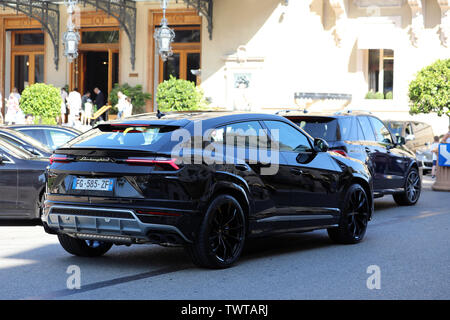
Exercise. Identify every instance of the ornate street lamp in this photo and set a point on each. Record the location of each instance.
(71, 38)
(164, 36)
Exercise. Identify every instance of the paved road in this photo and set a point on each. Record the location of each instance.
(411, 247)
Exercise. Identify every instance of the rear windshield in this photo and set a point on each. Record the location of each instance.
(324, 128)
(122, 136)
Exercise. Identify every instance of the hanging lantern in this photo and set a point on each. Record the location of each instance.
(164, 36)
(71, 38)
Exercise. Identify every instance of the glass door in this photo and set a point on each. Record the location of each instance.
(182, 65)
(27, 69)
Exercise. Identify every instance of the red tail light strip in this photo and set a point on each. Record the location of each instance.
(144, 161)
(59, 158)
(341, 152)
(155, 213)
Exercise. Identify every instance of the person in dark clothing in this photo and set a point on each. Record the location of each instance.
(100, 102)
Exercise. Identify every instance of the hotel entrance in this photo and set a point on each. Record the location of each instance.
(97, 64)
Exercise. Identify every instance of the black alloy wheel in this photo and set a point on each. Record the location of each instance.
(354, 218)
(412, 191)
(222, 234)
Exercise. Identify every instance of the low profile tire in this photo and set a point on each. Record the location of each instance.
(413, 187)
(354, 217)
(83, 248)
(222, 235)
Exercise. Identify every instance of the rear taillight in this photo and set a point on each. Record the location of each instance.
(158, 213)
(341, 152)
(164, 163)
(60, 158)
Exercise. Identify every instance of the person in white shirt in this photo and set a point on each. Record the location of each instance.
(74, 104)
(128, 108)
(121, 104)
(434, 150)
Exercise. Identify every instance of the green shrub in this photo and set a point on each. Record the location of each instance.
(390, 95)
(42, 101)
(430, 91)
(179, 95)
(138, 97)
(379, 95)
(370, 95)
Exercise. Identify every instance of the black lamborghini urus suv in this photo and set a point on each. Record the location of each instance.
(206, 181)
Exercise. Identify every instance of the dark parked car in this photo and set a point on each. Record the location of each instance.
(364, 137)
(51, 136)
(119, 183)
(22, 182)
(26, 142)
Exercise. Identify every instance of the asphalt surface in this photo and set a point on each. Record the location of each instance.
(409, 245)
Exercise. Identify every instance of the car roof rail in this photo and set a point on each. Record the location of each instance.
(353, 111)
(290, 110)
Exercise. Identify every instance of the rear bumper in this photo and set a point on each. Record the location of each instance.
(117, 225)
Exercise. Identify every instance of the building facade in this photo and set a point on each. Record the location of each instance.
(256, 55)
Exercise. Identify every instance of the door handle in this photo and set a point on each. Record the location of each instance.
(296, 171)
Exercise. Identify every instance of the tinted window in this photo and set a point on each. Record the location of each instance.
(367, 129)
(350, 129)
(37, 134)
(287, 137)
(324, 128)
(110, 136)
(242, 134)
(381, 132)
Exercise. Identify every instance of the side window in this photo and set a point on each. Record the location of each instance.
(57, 138)
(367, 129)
(408, 130)
(287, 137)
(242, 134)
(350, 129)
(382, 133)
(36, 134)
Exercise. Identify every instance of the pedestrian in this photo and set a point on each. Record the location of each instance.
(446, 138)
(12, 108)
(121, 105)
(88, 111)
(74, 105)
(16, 93)
(64, 96)
(84, 99)
(100, 102)
(128, 108)
(434, 151)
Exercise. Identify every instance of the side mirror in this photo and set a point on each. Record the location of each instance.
(320, 145)
(401, 141)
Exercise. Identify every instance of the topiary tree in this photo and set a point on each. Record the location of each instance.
(43, 101)
(179, 95)
(137, 95)
(430, 91)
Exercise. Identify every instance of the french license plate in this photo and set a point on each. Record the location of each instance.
(93, 184)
